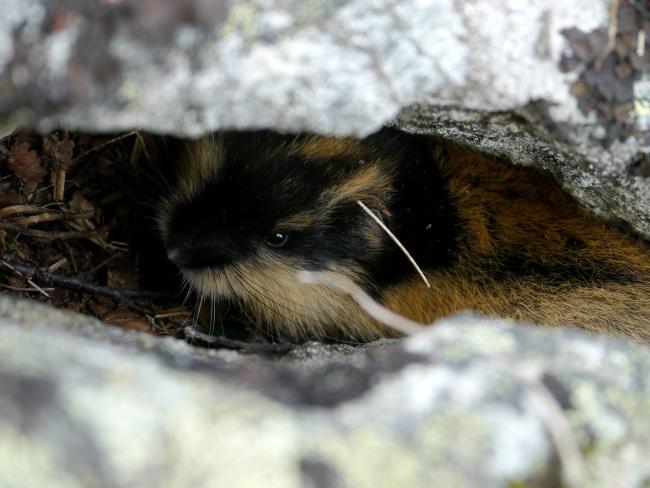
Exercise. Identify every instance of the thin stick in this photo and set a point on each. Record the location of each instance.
(135, 152)
(562, 436)
(58, 181)
(125, 295)
(37, 212)
(611, 34)
(29, 280)
(49, 217)
(392, 236)
(17, 288)
(26, 209)
(46, 234)
(39, 289)
(102, 146)
(373, 308)
(53, 267)
(640, 43)
(144, 146)
(170, 315)
(103, 263)
(246, 347)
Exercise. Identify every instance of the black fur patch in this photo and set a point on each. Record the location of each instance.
(258, 186)
(423, 215)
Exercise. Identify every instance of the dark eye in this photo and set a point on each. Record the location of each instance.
(277, 238)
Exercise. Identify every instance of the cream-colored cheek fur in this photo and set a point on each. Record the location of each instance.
(271, 292)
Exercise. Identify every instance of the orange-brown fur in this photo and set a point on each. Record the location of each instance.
(533, 215)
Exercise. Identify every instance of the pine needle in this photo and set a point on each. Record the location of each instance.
(396, 240)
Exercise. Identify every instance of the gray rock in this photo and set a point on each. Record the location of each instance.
(192, 66)
(346, 67)
(469, 402)
(604, 186)
(341, 67)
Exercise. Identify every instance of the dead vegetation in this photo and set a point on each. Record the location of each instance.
(69, 218)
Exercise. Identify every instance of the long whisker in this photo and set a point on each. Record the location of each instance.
(267, 301)
(212, 315)
(187, 288)
(232, 291)
(259, 298)
(272, 297)
(197, 311)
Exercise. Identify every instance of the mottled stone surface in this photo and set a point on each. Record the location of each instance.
(470, 402)
(606, 185)
(344, 67)
(192, 66)
(348, 66)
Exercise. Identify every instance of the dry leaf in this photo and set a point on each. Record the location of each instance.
(25, 163)
(79, 204)
(15, 282)
(61, 150)
(122, 274)
(98, 309)
(128, 319)
(59, 297)
(8, 196)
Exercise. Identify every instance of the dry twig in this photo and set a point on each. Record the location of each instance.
(554, 419)
(24, 209)
(611, 34)
(373, 308)
(125, 295)
(248, 347)
(44, 234)
(395, 240)
(102, 146)
(58, 181)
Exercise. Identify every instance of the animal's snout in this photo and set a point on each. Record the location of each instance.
(198, 256)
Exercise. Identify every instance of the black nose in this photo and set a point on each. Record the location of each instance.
(198, 257)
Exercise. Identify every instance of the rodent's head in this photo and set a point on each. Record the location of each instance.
(250, 210)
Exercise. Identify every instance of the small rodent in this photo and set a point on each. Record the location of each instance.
(248, 210)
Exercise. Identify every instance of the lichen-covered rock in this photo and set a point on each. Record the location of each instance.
(469, 402)
(578, 71)
(192, 66)
(341, 67)
(604, 183)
